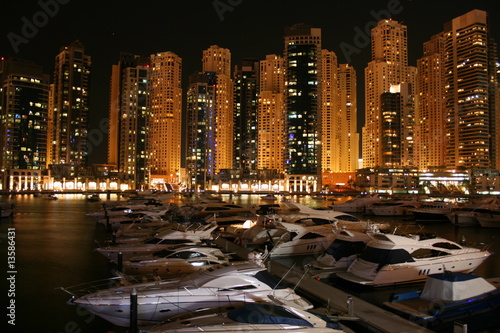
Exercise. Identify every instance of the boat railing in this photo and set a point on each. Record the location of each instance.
(121, 280)
(94, 286)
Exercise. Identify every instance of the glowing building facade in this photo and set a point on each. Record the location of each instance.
(129, 119)
(70, 107)
(471, 87)
(271, 115)
(166, 119)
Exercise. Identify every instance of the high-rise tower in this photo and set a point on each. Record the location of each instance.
(389, 67)
(471, 83)
(129, 119)
(430, 116)
(246, 89)
(210, 119)
(271, 115)
(166, 119)
(24, 90)
(302, 60)
(68, 137)
(218, 60)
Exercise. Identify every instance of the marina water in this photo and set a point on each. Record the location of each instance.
(54, 247)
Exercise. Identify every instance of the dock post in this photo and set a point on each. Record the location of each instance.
(120, 261)
(133, 311)
(350, 305)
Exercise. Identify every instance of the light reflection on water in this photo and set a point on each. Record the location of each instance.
(55, 245)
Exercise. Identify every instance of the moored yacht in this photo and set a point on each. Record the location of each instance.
(450, 297)
(489, 218)
(343, 251)
(253, 318)
(392, 259)
(175, 261)
(433, 211)
(302, 240)
(357, 205)
(166, 239)
(221, 287)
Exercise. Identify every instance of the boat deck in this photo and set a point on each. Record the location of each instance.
(376, 318)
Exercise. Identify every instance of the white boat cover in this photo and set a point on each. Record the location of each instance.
(449, 287)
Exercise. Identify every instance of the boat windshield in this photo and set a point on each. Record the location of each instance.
(255, 313)
(341, 248)
(386, 257)
(271, 280)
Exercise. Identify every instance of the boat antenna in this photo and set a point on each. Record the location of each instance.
(283, 277)
(300, 280)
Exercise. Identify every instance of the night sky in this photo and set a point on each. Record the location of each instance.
(249, 28)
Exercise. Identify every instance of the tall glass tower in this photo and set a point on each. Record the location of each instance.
(302, 59)
(69, 115)
(471, 85)
(24, 90)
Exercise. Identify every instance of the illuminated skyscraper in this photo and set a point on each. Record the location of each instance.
(166, 119)
(471, 83)
(129, 119)
(271, 115)
(339, 139)
(218, 60)
(24, 90)
(430, 117)
(210, 119)
(246, 89)
(389, 66)
(68, 137)
(200, 130)
(331, 130)
(348, 150)
(302, 60)
(397, 126)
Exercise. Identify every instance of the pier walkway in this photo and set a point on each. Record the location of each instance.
(376, 318)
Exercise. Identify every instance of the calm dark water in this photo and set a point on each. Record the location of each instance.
(54, 248)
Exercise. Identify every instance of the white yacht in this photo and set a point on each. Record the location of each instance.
(343, 251)
(489, 218)
(161, 241)
(466, 216)
(357, 205)
(433, 211)
(308, 215)
(392, 259)
(221, 287)
(253, 318)
(393, 207)
(302, 240)
(175, 261)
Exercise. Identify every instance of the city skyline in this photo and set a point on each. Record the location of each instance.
(187, 30)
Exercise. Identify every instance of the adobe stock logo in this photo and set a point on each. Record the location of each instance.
(29, 29)
(225, 6)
